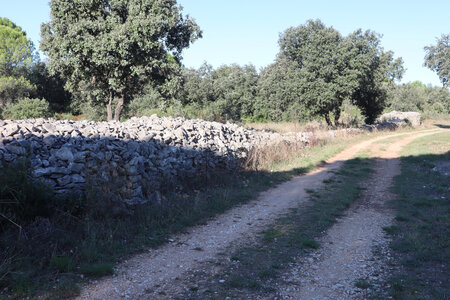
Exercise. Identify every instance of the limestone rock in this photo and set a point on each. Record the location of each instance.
(411, 118)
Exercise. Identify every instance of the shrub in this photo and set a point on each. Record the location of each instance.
(27, 108)
(431, 101)
(22, 198)
(13, 88)
(146, 104)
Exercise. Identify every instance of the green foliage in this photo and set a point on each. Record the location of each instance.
(227, 92)
(320, 57)
(14, 88)
(22, 198)
(113, 48)
(198, 85)
(97, 270)
(327, 68)
(16, 51)
(428, 100)
(27, 108)
(375, 71)
(17, 57)
(62, 264)
(146, 103)
(279, 90)
(437, 58)
(235, 91)
(50, 87)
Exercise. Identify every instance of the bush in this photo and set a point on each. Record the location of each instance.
(27, 108)
(13, 88)
(22, 198)
(431, 101)
(146, 104)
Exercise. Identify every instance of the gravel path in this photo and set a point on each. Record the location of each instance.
(147, 275)
(347, 254)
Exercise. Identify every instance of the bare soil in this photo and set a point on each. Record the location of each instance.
(346, 256)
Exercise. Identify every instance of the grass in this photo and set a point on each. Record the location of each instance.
(97, 270)
(63, 264)
(253, 268)
(362, 284)
(285, 127)
(421, 233)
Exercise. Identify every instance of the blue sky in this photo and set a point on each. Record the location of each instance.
(247, 31)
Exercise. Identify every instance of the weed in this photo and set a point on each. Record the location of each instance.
(97, 270)
(62, 264)
(267, 272)
(65, 289)
(193, 288)
(309, 243)
(235, 258)
(362, 284)
(391, 229)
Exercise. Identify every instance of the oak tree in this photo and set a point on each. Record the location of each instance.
(437, 58)
(112, 48)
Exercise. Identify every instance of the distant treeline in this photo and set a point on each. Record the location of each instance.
(317, 74)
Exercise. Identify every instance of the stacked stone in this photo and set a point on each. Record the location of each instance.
(130, 160)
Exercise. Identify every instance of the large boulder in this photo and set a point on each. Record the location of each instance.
(410, 118)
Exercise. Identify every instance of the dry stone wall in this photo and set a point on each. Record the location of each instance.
(131, 161)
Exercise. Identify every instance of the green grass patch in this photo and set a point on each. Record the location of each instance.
(421, 239)
(362, 284)
(63, 264)
(97, 270)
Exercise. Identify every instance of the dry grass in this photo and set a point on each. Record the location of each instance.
(262, 158)
(287, 152)
(434, 122)
(285, 127)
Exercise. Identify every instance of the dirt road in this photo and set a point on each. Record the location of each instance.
(347, 258)
(146, 275)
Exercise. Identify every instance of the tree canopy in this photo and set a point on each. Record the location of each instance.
(437, 58)
(375, 70)
(321, 60)
(112, 48)
(16, 51)
(16, 59)
(331, 68)
(279, 90)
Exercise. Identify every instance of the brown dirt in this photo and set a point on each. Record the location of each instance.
(151, 274)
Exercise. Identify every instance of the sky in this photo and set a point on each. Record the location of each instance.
(247, 31)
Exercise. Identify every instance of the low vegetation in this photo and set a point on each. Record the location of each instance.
(420, 235)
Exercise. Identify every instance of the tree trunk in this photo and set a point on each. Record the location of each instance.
(327, 118)
(109, 107)
(119, 107)
(337, 115)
